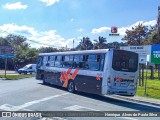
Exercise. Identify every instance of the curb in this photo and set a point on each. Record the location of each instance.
(2, 78)
(22, 78)
(15, 79)
(135, 100)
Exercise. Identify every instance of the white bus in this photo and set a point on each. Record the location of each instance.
(105, 71)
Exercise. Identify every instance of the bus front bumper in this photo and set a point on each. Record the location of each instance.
(127, 92)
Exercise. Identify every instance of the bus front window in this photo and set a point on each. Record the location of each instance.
(125, 61)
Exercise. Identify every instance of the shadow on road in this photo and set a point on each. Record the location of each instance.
(114, 101)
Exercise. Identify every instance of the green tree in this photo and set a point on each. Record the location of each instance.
(153, 36)
(85, 44)
(23, 54)
(136, 35)
(47, 50)
(4, 42)
(100, 43)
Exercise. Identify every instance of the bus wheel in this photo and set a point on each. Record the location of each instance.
(71, 86)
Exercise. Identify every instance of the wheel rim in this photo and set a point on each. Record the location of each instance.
(71, 87)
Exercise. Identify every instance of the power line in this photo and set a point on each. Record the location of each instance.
(26, 38)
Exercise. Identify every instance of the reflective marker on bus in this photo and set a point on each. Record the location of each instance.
(105, 71)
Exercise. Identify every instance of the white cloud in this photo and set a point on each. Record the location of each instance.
(150, 23)
(80, 30)
(47, 38)
(71, 19)
(15, 29)
(122, 30)
(49, 2)
(100, 30)
(50, 38)
(17, 5)
(69, 42)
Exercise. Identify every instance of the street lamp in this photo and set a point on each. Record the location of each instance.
(73, 43)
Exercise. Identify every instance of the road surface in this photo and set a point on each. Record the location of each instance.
(31, 95)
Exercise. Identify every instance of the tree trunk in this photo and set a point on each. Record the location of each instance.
(142, 74)
(139, 74)
(159, 71)
(152, 73)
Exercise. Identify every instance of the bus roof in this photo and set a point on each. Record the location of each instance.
(76, 52)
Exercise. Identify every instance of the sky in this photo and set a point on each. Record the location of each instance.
(57, 23)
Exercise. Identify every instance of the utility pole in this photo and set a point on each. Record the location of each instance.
(5, 65)
(73, 44)
(145, 91)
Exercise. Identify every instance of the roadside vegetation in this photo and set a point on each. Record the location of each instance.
(14, 77)
(152, 87)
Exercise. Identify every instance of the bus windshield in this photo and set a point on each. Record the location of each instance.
(125, 61)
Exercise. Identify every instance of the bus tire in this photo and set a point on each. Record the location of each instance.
(71, 86)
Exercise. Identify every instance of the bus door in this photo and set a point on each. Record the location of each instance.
(46, 64)
(51, 70)
(39, 70)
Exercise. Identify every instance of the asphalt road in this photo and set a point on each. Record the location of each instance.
(30, 95)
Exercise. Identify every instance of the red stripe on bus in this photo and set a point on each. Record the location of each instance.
(75, 74)
(69, 70)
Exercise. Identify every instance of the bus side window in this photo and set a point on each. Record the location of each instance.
(71, 60)
(92, 62)
(58, 60)
(76, 61)
(39, 61)
(45, 60)
(51, 61)
(66, 60)
(48, 62)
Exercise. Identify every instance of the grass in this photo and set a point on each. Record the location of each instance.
(152, 87)
(14, 77)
